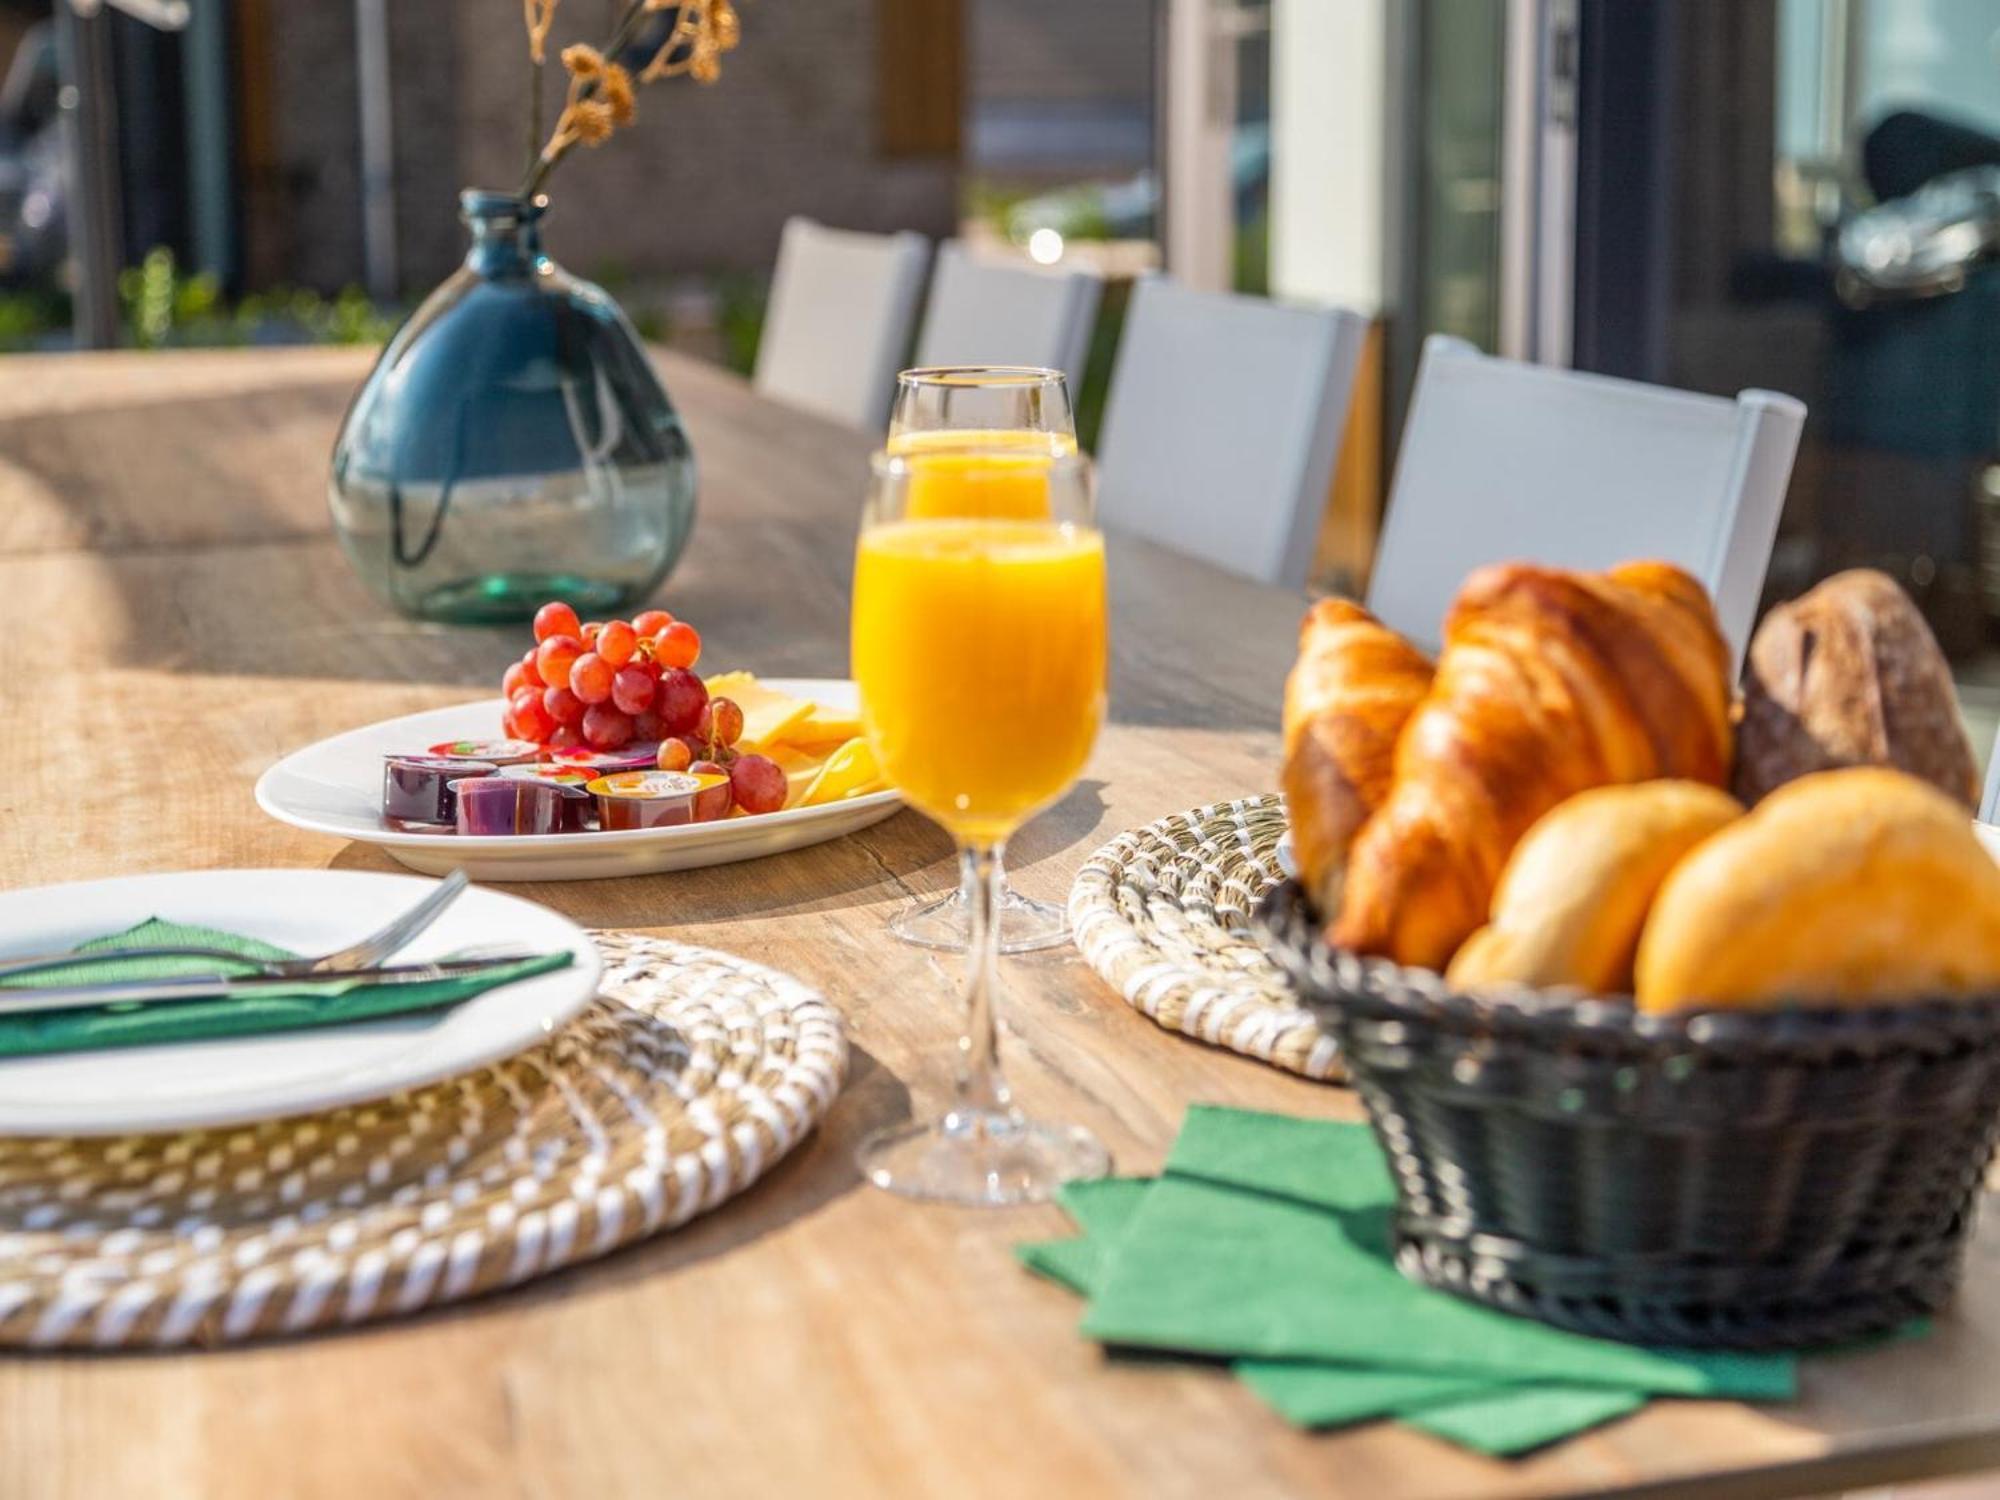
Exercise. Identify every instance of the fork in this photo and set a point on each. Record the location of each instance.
(366, 953)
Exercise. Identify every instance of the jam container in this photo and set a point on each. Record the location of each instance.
(640, 756)
(569, 776)
(503, 806)
(420, 788)
(655, 799)
(493, 752)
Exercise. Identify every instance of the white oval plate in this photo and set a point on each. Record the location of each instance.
(335, 787)
(121, 1090)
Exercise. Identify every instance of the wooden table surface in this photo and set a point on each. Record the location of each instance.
(176, 617)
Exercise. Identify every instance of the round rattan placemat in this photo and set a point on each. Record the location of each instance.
(1163, 914)
(688, 1078)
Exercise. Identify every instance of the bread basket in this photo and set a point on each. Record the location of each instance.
(1746, 1179)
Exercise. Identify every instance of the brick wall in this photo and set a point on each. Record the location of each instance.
(704, 181)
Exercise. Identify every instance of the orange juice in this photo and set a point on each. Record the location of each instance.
(979, 648)
(997, 474)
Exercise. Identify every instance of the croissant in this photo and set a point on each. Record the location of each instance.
(1353, 688)
(1550, 683)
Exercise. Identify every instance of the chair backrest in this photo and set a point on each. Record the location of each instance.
(983, 313)
(1223, 425)
(1502, 460)
(839, 320)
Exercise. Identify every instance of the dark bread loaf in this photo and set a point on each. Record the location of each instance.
(1849, 674)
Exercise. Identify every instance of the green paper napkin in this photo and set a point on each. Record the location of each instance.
(1207, 1266)
(313, 1002)
(1335, 1173)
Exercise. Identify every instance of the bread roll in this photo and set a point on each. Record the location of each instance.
(1850, 675)
(1574, 896)
(1354, 686)
(1844, 886)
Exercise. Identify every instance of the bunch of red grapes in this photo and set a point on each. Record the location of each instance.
(608, 684)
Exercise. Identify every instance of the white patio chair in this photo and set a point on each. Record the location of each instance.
(1502, 460)
(839, 320)
(1223, 424)
(984, 313)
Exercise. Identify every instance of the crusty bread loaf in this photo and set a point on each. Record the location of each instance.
(1855, 885)
(1349, 694)
(1574, 896)
(1850, 675)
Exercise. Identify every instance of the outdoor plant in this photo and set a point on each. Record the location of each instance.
(601, 82)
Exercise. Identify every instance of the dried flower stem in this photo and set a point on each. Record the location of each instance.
(600, 90)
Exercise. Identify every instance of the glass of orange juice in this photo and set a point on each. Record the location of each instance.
(952, 412)
(979, 648)
(1013, 406)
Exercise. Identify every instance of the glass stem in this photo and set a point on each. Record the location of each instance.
(981, 1089)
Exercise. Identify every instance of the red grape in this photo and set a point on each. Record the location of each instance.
(516, 679)
(592, 629)
(711, 802)
(757, 784)
(646, 726)
(604, 728)
(650, 622)
(507, 725)
(563, 705)
(675, 755)
(616, 642)
(679, 645)
(534, 672)
(721, 723)
(632, 690)
(590, 678)
(532, 719)
(681, 699)
(555, 618)
(565, 738)
(554, 657)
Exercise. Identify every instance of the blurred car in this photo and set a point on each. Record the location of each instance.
(34, 185)
(1130, 209)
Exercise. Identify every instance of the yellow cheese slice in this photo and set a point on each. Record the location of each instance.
(826, 726)
(768, 717)
(850, 771)
(800, 768)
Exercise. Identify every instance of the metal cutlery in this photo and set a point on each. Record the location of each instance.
(367, 953)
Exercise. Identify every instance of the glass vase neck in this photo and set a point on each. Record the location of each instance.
(506, 232)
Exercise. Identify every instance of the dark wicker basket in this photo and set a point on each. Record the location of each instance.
(1767, 1179)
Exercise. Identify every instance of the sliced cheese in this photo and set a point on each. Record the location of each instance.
(849, 772)
(768, 716)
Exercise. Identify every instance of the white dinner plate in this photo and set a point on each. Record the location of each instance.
(335, 787)
(232, 1080)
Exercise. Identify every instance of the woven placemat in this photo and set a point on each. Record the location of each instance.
(691, 1074)
(1163, 914)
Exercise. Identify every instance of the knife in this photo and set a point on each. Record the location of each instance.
(24, 1000)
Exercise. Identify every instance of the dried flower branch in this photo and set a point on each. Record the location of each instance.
(540, 16)
(601, 97)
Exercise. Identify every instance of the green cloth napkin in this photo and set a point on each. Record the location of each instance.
(1252, 1202)
(312, 1002)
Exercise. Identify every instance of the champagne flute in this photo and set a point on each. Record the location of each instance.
(1021, 409)
(979, 647)
(1004, 406)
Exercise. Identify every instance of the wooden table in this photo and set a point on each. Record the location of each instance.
(176, 617)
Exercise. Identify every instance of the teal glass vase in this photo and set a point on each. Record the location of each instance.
(513, 444)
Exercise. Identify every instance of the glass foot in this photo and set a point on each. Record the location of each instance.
(1026, 925)
(981, 1160)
